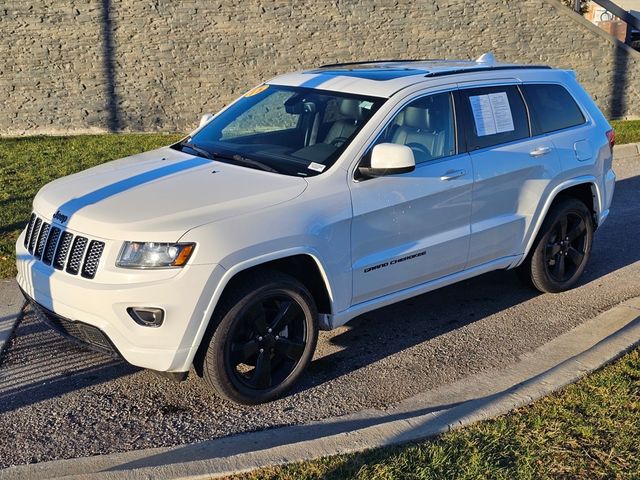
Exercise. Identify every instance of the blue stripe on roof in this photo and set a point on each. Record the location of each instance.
(378, 74)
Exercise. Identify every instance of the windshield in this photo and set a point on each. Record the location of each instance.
(290, 130)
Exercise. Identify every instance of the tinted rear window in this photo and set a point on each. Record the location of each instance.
(551, 107)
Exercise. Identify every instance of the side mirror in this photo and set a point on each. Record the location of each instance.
(205, 119)
(389, 159)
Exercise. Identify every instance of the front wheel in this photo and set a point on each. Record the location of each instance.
(562, 248)
(265, 335)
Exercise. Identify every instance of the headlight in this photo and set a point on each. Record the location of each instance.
(154, 255)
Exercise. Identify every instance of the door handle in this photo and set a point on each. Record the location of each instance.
(540, 151)
(451, 174)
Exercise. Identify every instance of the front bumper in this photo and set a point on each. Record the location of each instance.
(79, 332)
(94, 311)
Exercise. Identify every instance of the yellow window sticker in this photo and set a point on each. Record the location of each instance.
(256, 90)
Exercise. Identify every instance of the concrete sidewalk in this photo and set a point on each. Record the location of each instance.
(486, 395)
(11, 305)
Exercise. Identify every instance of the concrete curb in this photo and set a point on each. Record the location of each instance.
(11, 306)
(541, 372)
(626, 150)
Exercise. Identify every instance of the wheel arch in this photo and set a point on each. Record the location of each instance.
(296, 263)
(583, 188)
(304, 267)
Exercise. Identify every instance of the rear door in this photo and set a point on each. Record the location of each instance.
(555, 112)
(511, 169)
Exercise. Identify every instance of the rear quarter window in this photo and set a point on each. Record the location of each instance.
(551, 107)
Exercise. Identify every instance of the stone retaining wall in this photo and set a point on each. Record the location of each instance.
(72, 66)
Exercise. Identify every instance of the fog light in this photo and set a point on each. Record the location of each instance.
(147, 316)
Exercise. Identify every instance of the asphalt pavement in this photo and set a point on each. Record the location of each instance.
(58, 400)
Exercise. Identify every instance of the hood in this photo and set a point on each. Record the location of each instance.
(159, 195)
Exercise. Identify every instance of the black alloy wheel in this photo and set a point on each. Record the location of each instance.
(267, 341)
(562, 248)
(567, 246)
(262, 337)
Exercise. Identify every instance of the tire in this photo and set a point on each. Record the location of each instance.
(263, 336)
(562, 248)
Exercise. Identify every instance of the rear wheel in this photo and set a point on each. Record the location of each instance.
(562, 248)
(265, 336)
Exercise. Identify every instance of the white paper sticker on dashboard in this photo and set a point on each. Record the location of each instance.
(492, 113)
(316, 167)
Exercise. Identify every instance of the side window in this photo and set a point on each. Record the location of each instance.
(269, 115)
(494, 115)
(552, 108)
(426, 126)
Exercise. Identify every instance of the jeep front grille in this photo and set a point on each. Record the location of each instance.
(77, 252)
(42, 239)
(27, 236)
(60, 249)
(94, 252)
(52, 242)
(63, 249)
(34, 234)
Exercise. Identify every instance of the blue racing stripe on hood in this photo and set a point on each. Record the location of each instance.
(74, 205)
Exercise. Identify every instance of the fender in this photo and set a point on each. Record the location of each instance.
(244, 265)
(584, 179)
(268, 257)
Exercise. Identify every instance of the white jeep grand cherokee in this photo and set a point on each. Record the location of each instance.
(313, 198)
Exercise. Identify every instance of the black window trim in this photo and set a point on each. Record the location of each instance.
(527, 109)
(585, 115)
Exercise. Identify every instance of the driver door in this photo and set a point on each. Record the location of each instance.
(411, 228)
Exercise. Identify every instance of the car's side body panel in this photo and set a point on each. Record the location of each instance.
(410, 229)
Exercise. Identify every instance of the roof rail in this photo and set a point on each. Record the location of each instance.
(443, 73)
(396, 60)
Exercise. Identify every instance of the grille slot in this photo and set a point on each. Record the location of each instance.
(75, 257)
(34, 234)
(27, 235)
(52, 242)
(94, 252)
(42, 239)
(63, 250)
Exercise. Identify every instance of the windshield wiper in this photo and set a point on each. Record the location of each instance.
(198, 149)
(249, 162)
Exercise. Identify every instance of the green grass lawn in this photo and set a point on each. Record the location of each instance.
(590, 430)
(627, 131)
(28, 163)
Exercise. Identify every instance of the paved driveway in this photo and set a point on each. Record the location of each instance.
(60, 401)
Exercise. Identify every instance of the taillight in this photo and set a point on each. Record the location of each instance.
(611, 136)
